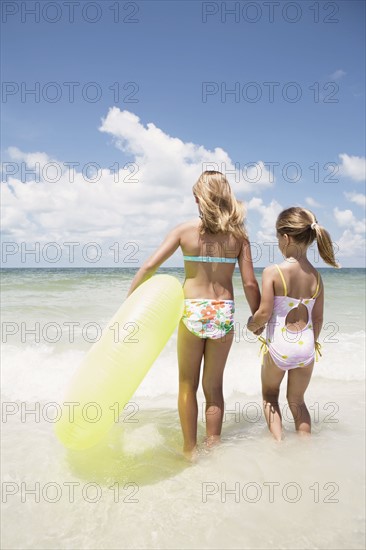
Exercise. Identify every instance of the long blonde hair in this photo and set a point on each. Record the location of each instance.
(220, 211)
(302, 226)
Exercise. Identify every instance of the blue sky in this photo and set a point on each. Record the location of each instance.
(166, 60)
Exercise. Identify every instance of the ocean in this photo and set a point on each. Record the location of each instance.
(135, 490)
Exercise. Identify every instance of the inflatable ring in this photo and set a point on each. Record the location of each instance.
(114, 367)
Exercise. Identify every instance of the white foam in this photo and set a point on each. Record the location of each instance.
(42, 372)
(36, 372)
(138, 440)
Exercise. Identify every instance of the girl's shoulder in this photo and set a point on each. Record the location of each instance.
(193, 222)
(305, 277)
(187, 225)
(289, 268)
(270, 270)
(270, 275)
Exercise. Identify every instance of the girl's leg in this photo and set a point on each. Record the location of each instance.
(216, 353)
(271, 379)
(190, 352)
(298, 381)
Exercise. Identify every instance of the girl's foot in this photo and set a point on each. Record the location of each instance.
(191, 455)
(212, 441)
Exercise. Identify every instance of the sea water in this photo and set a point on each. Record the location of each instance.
(134, 489)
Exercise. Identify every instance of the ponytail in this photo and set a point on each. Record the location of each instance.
(325, 245)
(302, 226)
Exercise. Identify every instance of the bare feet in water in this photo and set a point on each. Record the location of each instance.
(191, 455)
(209, 442)
(212, 441)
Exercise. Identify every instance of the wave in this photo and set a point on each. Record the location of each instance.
(42, 371)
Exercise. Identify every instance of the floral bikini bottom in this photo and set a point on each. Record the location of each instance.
(209, 318)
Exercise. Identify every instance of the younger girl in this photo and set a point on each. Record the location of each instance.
(292, 305)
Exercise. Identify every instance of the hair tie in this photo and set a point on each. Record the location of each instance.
(313, 225)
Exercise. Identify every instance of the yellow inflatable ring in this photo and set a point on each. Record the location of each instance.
(114, 367)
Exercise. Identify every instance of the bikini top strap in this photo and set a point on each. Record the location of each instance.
(317, 287)
(283, 280)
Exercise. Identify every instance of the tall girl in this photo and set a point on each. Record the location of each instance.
(211, 245)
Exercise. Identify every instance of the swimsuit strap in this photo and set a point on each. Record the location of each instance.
(283, 280)
(318, 347)
(317, 287)
(210, 259)
(264, 347)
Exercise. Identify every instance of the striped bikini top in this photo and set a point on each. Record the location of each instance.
(209, 259)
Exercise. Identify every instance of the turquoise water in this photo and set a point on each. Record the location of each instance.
(50, 318)
(75, 292)
(85, 296)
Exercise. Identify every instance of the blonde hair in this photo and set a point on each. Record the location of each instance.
(220, 211)
(301, 224)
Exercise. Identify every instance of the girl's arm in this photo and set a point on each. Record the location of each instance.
(317, 313)
(250, 284)
(165, 250)
(264, 312)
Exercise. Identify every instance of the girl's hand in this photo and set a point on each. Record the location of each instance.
(253, 327)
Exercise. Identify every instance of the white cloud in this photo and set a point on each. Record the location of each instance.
(312, 202)
(346, 218)
(357, 198)
(338, 74)
(71, 208)
(268, 217)
(343, 217)
(351, 244)
(353, 167)
(30, 159)
(163, 158)
(352, 241)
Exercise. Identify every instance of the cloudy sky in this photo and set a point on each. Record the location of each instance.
(111, 110)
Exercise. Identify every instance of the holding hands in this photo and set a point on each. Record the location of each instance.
(253, 326)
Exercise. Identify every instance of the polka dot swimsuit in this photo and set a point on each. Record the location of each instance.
(290, 349)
